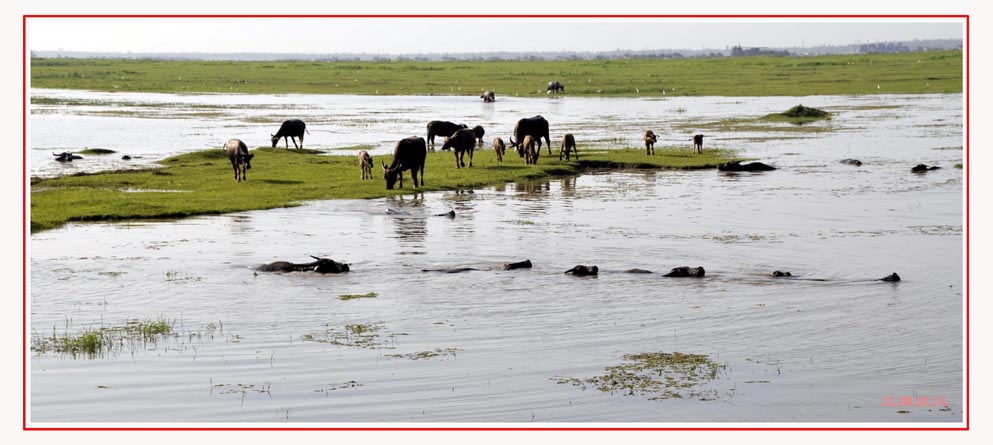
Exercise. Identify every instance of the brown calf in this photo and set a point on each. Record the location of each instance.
(568, 146)
(365, 163)
(650, 140)
(500, 148)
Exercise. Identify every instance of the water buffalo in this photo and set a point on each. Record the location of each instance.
(321, 265)
(488, 96)
(442, 128)
(452, 270)
(581, 270)
(686, 271)
(241, 160)
(462, 141)
(555, 87)
(365, 163)
(698, 143)
(636, 270)
(409, 154)
(921, 168)
(125, 158)
(737, 166)
(478, 131)
(568, 146)
(780, 274)
(291, 129)
(891, 277)
(854, 162)
(526, 264)
(66, 156)
(650, 140)
(500, 148)
(536, 127)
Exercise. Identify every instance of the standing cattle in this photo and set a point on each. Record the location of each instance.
(536, 127)
(241, 160)
(365, 163)
(488, 96)
(568, 146)
(409, 154)
(650, 140)
(291, 129)
(530, 155)
(555, 87)
(500, 148)
(462, 141)
(442, 128)
(478, 131)
(698, 143)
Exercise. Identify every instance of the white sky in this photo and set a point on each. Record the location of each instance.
(406, 35)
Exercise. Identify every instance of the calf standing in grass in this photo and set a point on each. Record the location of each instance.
(568, 146)
(530, 155)
(365, 163)
(698, 143)
(500, 148)
(241, 160)
(650, 140)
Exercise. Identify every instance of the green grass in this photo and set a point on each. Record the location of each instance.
(922, 72)
(347, 297)
(95, 151)
(283, 178)
(98, 342)
(798, 115)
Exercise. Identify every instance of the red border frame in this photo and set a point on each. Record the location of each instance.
(25, 218)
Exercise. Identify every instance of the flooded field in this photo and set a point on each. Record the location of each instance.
(388, 342)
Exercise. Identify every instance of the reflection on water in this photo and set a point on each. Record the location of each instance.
(492, 345)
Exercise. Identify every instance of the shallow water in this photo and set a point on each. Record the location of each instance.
(794, 350)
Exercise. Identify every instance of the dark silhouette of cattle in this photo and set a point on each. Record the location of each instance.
(581, 270)
(526, 264)
(854, 162)
(409, 154)
(536, 127)
(126, 158)
(291, 129)
(737, 166)
(568, 146)
(488, 96)
(781, 274)
(921, 168)
(241, 160)
(500, 148)
(66, 156)
(365, 163)
(555, 87)
(321, 265)
(686, 271)
(891, 277)
(650, 140)
(461, 142)
(443, 129)
(698, 144)
(478, 131)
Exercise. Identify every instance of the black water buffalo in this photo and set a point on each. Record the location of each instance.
(698, 143)
(442, 128)
(921, 168)
(854, 162)
(636, 270)
(452, 270)
(462, 141)
(650, 140)
(291, 129)
(409, 154)
(737, 166)
(686, 271)
(488, 96)
(555, 87)
(365, 163)
(781, 274)
(66, 156)
(536, 127)
(241, 160)
(321, 265)
(526, 264)
(568, 146)
(478, 131)
(500, 148)
(581, 270)
(891, 277)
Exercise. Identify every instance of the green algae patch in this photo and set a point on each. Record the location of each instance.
(655, 375)
(359, 335)
(347, 297)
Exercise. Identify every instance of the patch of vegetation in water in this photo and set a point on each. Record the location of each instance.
(95, 151)
(347, 297)
(360, 335)
(336, 386)
(438, 352)
(958, 166)
(91, 343)
(798, 115)
(656, 375)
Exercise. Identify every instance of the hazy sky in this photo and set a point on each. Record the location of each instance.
(335, 35)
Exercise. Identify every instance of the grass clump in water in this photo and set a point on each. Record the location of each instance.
(362, 336)
(96, 151)
(798, 115)
(438, 352)
(347, 297)
(658, 375)
(99, 342)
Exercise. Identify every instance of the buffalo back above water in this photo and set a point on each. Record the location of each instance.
(442, 128)
(409, 154)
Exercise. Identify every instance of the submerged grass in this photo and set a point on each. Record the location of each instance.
(284, 178)
(798, 115)
(658, 375)
(92, 343)
(920, 72)
(347, 297)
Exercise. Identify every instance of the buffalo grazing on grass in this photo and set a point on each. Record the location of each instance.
(409, 154)
(291, 129)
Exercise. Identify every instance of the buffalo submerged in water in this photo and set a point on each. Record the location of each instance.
(320, 265)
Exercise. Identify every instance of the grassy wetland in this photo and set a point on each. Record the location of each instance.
(923, 72)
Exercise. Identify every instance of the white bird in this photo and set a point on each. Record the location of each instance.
(877, 86)
(637, 90)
